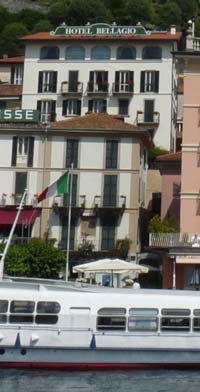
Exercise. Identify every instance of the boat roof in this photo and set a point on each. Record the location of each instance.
(37, 285)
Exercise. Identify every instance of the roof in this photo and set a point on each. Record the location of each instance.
(174, 156)
(8, 90)
(12, 60)
(159, 36)
(95, 121)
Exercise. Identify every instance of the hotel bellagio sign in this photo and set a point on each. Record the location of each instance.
(100, 29)
(26, 115)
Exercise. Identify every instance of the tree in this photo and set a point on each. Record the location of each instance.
(29, 17)
(123, 245)
(169, 14)
(86, 249)
(36, 259)
(154, 153)
(138, 11)
(158, 225)
(9, 39)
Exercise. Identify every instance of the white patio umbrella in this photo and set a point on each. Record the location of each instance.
(112, 266)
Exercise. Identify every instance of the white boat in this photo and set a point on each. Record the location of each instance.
(52, 324)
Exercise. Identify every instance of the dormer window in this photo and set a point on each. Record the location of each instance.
(151, 53)
(100, 53)
(126, 53)
(49, 53)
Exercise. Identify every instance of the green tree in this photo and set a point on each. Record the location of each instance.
(86, 249)
(36, 259)
(80, 12)
(158, 225)
(169, 14)
(29, 17)
(43, 25)
(138, 11)
(10, 43)
(123, 245)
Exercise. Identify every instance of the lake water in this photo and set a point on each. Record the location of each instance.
(116, 381)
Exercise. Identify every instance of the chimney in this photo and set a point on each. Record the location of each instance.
(173, 29)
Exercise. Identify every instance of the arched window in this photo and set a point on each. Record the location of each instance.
(75, 53)
(100, 53)
(49, 53)
(151, 52)
(126, 53)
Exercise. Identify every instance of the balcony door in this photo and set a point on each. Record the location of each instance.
(73, 81)
(148, 110)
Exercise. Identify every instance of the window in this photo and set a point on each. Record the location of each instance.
(75, 53)
(72, 153)
(48, 307)
(108, 234)
(123, 81)
(111, 154)
(23, 311)
(110, 191)
(71, 107)
(151, 53)
(97, 105)
(20, 185)
(3, 310)
(22, 151)
(74, 192)
(73, 82)
(46, 319)
(49, 53)
(123, 107)
(175, 320)
(16, 75)
(142, 319)
(98, 82)
(47, 82)
(100, 53)
(126, 53)
(148, 110)
(47, 110)
(111, 319)
(64, 235)
(149, 82)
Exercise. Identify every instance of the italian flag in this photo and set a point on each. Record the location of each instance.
(57, 188)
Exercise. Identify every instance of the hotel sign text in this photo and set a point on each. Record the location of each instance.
(99, 29)
(19, 115)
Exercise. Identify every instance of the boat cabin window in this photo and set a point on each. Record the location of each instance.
(175, 320)
(111, 319)
(48, 307)
(46, 319)
(3, 309)
(143, 319)
(22, 312)
(3, 306)
(22, 307)
(196, 320)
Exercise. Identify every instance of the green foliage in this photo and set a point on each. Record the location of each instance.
(9, 39)
(123, 245)
(86, 249)
(169, 14)
(36, 259)
(154, 153)
(138, 11)
(158, 225)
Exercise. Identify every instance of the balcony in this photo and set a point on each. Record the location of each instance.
(143, 119)
(193, 43)
(60, 205)
(102, 206)
(75, 88)
(167, 240)
(123, 88)
(97, 88)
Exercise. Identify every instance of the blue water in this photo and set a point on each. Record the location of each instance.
(117, 381)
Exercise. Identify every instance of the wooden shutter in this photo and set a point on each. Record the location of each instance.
(40, 82)
(64, 107)
(14, 151)
(53, 111)
(91, 81)
(148, 110)
(54, 81)
(156, 86)
(12, 78)
(117, 81)
(30, 151)
(90, 105)
(142, 78)
(79, 107)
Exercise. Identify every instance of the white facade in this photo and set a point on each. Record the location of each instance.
(162, 96)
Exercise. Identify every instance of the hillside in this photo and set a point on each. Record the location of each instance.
(15, 6)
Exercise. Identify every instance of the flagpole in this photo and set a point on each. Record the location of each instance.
(3, 255)
(69, 223)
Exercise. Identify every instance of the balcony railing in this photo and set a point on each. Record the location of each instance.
(193, 43)
(118, 202)
(166, 240)
(97, 88)
(122, 88)
(68, 88)
(142, 119)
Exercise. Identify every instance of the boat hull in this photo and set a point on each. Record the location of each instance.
(84, 359)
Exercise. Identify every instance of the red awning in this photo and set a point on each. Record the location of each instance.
(27, 217)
